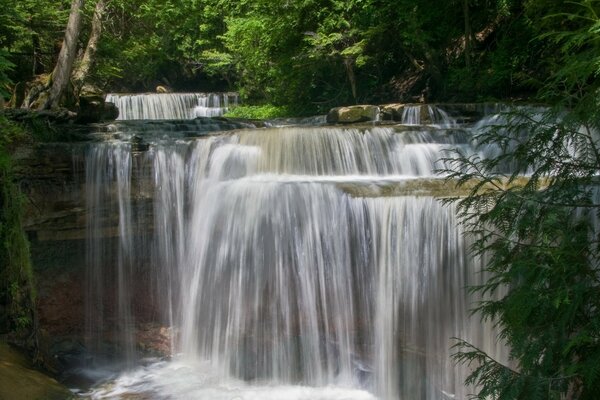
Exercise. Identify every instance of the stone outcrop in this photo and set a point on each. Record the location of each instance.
(392, 112)
(93, 108)
(353, 114)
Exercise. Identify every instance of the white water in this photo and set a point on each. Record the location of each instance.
(279, 284)
(423, 114)
(152, 106)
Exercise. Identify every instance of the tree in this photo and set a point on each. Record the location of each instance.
(337, 38)
(541, 238)
(89, 56)
(68, 52)
(29, 30)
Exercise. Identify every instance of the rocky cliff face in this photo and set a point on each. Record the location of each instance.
(52, 180)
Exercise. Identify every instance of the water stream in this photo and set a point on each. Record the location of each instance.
(276, 280)
(152, 106)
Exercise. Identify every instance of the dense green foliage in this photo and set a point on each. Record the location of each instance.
(257, 112)
(30, 34)
(541, 238)
(307, 55)
(17, 295)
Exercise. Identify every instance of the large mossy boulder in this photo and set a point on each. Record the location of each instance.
(353, 114)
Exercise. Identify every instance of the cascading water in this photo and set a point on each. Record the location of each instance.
(278, 281)
(427, 114)
(151, 106)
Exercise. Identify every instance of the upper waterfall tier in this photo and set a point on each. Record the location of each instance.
(171, 105)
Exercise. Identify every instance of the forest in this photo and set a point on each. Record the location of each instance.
(539, 238)
(303, 56)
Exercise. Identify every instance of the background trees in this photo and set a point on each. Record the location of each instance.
(308, 55)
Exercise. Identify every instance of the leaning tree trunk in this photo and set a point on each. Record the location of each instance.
(349, 64)
(89, 56)
(64, 66)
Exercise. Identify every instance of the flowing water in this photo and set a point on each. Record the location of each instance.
(171, 105)
(276, 279)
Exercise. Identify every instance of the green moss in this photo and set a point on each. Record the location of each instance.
(19, 380)
(266, 111)
(17, 293)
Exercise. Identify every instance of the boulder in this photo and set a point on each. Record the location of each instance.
(94, 109)
(392, 112)
(111, 111)
(352, 114)
(162, 89)
(88, 90)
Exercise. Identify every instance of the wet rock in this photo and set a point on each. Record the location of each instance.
(62, 354)
(111, 112)
(154, 340)
(471, 112)
(162, 89)
(352, 114)
(138, 144)
(436, 187)
(62, 303)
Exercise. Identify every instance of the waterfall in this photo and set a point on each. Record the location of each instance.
(152, 106)
(427, 114)
(279, 283)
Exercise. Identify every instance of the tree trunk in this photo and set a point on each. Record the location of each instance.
(349, 64)
(37, 50)
(68, 51)
(89, 56)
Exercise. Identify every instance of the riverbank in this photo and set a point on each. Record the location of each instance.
(19, 380)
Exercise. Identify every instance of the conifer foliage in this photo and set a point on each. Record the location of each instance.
(540, 239)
